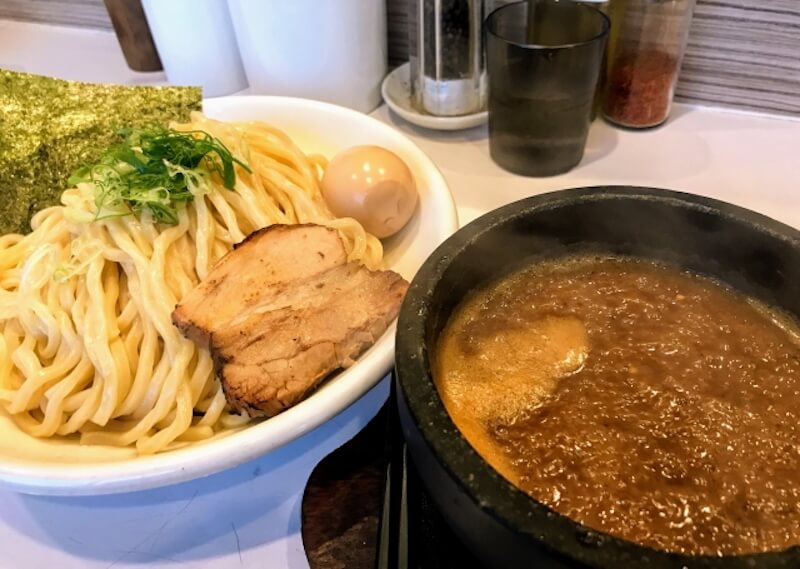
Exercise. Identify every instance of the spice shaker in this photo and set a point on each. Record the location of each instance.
(648, 39)
(448, 76)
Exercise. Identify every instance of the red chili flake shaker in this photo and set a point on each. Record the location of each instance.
(648, 38)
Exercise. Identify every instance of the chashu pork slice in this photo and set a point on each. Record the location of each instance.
(274, 356)
(259, 267)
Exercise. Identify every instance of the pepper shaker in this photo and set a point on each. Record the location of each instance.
(448, 72)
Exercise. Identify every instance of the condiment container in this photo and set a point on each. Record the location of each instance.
(328, 50)
(196, 43)
(448, 72)
(648, 39)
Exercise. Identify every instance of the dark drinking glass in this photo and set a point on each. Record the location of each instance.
(543, 59)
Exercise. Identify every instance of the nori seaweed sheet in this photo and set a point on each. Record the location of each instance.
(50, 127)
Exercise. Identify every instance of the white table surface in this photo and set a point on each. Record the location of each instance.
(249, 517)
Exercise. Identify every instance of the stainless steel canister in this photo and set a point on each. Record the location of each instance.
(448, 73)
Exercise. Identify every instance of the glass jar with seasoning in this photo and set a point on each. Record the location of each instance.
(648, 38)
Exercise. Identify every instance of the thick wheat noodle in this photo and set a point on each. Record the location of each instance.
(87, 346)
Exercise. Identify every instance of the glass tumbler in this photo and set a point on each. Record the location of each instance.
(543, 59)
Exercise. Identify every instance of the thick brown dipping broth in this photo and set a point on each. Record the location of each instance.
(637, 399)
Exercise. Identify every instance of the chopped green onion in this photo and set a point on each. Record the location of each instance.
(158, 170)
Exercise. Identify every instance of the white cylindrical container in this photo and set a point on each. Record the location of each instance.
(196, 43)
(329, 50)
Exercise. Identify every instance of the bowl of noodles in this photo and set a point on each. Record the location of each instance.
(98, 391)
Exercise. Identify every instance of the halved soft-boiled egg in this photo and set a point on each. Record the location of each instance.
(372, 185)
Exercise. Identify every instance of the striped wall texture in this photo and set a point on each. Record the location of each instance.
(81, 13)
(744, 53)
(741, 53)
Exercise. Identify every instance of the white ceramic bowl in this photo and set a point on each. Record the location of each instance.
(58, 467)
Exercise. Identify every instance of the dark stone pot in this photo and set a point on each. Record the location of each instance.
(502, 526)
